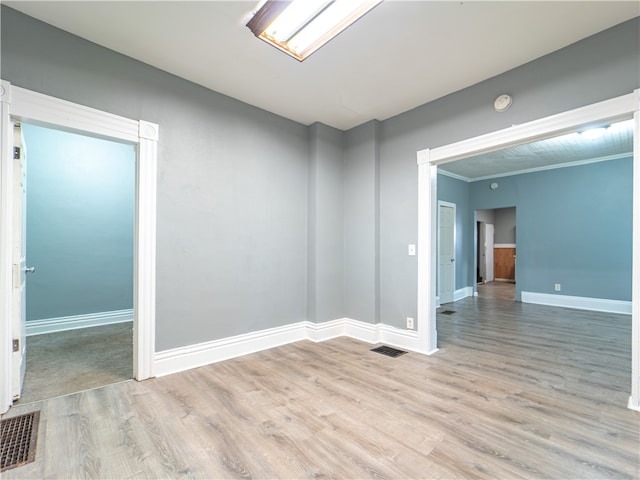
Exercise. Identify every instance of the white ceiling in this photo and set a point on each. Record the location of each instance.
(563, 150)
(401, 55)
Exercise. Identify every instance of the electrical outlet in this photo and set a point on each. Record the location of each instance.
(558, 287)
(410, 323)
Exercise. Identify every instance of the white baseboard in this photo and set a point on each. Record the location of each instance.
(184, 358)
(582, 303)
(632, 405)
(60, 324)
(192, 356)
(459, 294)
(463, 292)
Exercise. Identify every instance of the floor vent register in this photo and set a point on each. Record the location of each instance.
(18, 440)
(388, 351)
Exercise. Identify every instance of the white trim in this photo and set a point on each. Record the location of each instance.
(463, 292)
(634, 400)
(42, 109)
(504, 245)
(427, 214)
(73, 322)
(184, 358)
(555, 166)
(454, 175)
(581, 303)
(193, 356)
(619, 108)
(577, 163)
(6, 242)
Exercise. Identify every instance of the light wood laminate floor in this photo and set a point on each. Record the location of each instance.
(516, 391)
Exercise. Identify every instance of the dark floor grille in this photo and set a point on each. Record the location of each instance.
(447, 312)
(18, 440)
(388, 351)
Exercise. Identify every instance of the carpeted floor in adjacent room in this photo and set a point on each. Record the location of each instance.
(75, 360)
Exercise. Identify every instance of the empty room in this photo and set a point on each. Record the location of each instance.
(407, 248)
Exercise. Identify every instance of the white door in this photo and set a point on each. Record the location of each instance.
(19, 261)
(446, 252)
(488, 252)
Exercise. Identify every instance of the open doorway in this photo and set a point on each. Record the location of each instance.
(495, 240)
(80, 216)
(604, 114)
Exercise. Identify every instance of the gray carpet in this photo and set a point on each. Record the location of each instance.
(75, 360)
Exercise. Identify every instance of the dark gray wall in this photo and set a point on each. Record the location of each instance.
(603, 66)
(574, 227)
(232, 184)
(361, 223)
(80, 219)
(325, 225)
(505, 225)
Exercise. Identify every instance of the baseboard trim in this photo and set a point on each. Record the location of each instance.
(185, 358)
(632, 406)
(581, 303)
(463, 292)
(193, 356)
(73, 322)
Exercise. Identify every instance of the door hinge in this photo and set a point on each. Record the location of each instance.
(16, 153)
(16, 344)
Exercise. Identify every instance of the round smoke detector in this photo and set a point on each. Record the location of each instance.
(502, 103)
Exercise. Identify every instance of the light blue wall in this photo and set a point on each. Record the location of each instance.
(456, 191)
(574, 227)
(80, 223)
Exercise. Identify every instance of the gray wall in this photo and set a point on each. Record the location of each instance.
(80, 219)
(486, 216)
(505, 225)
(574, 227)
(240, 239)
(325, 225)
(361, 223)
(232, 184)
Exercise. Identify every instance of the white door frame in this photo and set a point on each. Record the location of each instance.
(442, 203)
(615, 109)
(25, 105)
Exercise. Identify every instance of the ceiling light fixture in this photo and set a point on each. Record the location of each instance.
(300, 27)
(593, 133)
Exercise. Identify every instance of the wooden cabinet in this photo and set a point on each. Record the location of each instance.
(504, 263)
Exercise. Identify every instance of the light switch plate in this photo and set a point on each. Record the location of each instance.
(412, 250)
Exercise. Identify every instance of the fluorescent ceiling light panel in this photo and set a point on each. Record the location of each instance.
(300, 27)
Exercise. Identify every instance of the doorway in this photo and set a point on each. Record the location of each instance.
(27, 106)
(606, 112)
(495, 256)
(80, 214)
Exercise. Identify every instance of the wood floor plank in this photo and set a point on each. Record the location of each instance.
(516, 391)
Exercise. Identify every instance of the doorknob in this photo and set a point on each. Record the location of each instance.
(29, 269)
(453, 259)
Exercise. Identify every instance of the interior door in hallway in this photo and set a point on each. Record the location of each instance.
(446, 251)
(488, 251)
